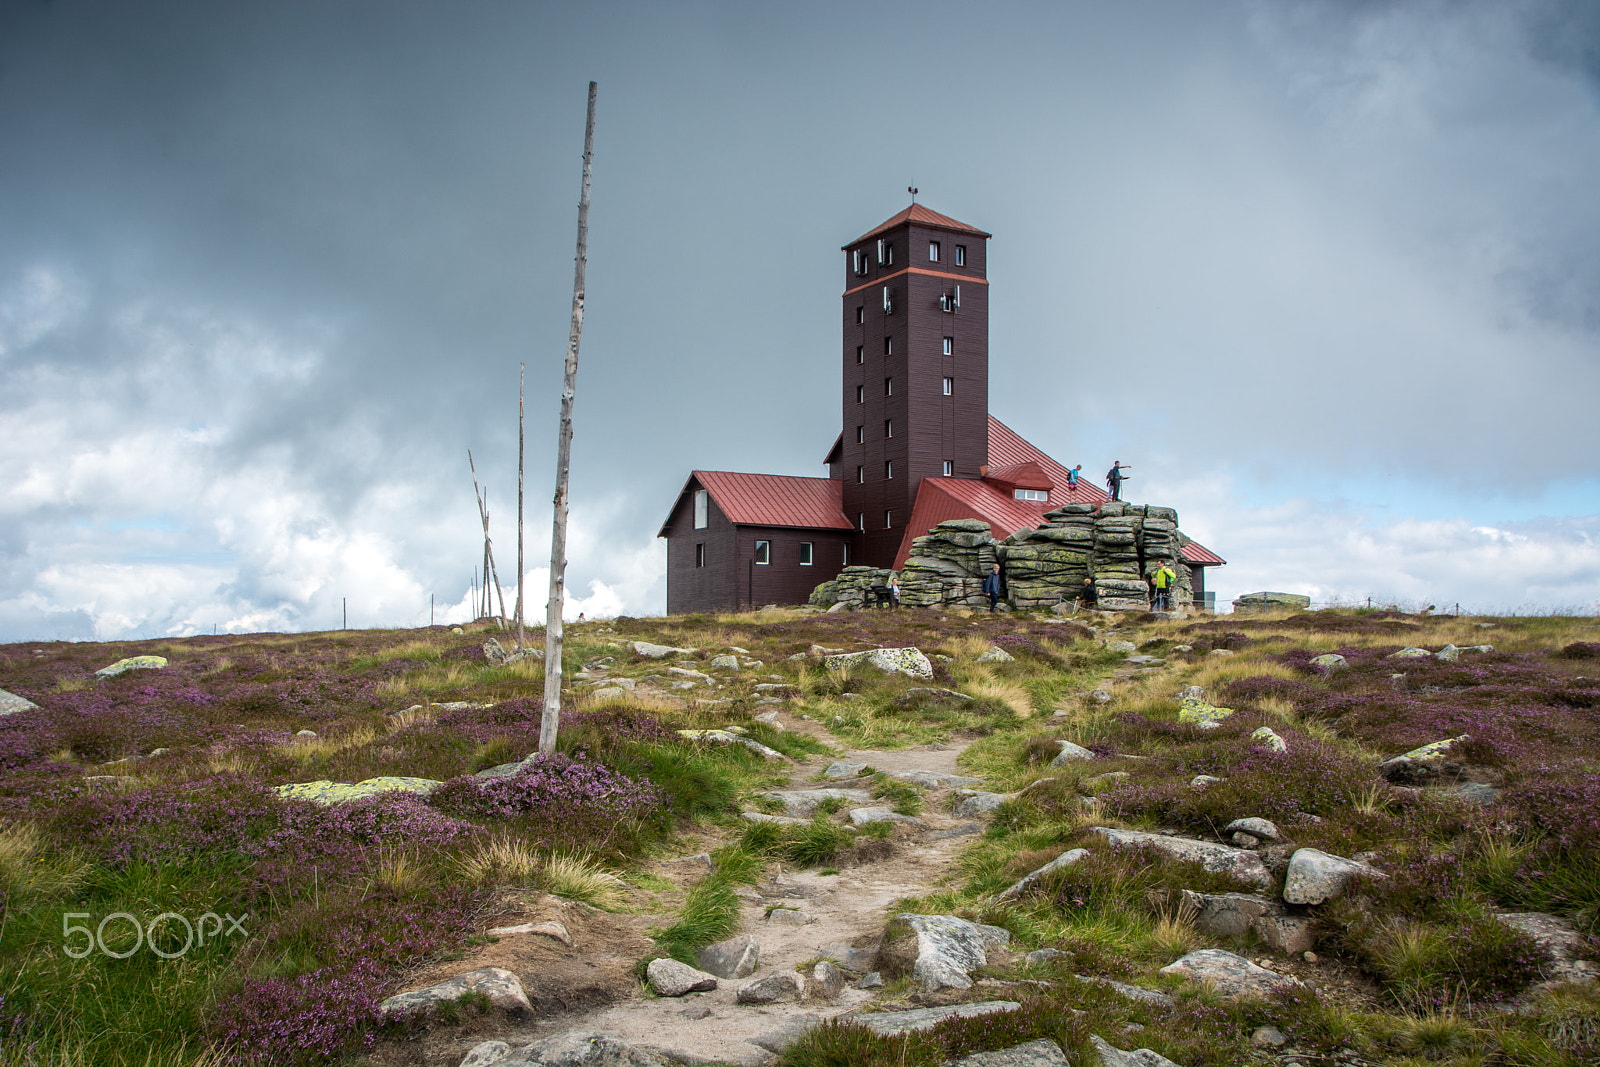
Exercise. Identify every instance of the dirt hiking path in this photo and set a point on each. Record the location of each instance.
(847, 909)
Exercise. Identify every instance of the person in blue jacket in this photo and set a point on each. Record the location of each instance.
(991, 586)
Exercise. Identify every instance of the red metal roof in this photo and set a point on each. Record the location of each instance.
(1027, 475)
(771, 500)
(1195, 552)
(1008, 449)
(920, 214)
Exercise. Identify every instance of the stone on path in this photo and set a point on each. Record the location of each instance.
(934, 779)
(578, 1048)
(964, 830)
(849, 957)
(781, 820)
(548, 929)
(737, 957)
(948, 948)
(1121, 646)
(669, 978)
(908, 661)
(1041, 1053)
(1061, 862)
(499, 985)
(10, 703)
(132, 663)
(1233, 975)
(1315, 876)
(785, 985)
(325, 793)
(840, 769)
(1111, 1056)
(485, 1053)
(806, 801)
(793, 1030)
(890, 1023)
(867, 816)
(789, 917)
(1070, 752)
(1242, 864)
(974, 803)
(826, 980)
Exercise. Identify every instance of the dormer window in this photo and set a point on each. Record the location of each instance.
(1031, 494)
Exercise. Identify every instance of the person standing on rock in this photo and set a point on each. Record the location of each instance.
(1072, 479)
(1162, 580)
(991, 586)
(1115, 478)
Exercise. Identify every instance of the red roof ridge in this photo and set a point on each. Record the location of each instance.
(924, 215)
(747, 499)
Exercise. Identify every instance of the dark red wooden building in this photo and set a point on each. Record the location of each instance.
(918, 444)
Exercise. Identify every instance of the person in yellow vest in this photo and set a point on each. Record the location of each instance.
(1163, 580)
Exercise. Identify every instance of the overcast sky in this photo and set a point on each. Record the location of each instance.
(1326, 274)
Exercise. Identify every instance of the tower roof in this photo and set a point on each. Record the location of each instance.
(919, 214)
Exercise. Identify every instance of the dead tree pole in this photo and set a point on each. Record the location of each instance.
(489, 568)
(551, 722)
(522, 377)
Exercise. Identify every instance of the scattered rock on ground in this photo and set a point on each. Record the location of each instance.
(1410, 653)
(974, 803)
(1233, 975)
(1202, 714)
(1121, 646)
(1069, 753)
(789, 917)
(10, 703)
(669, 978)
(841, 769)
(934, 779)
(1240, 863)
(1041, 1053)
(806, 801)
(650, 651)
(1268, 738)
(996, 654)
(132, 663)
(499, 985)
(1422, 763)
(1132, 992)
(1061, 862)
(738, 957)
(546, 929)
(890, 1023)
(785, 985)
(579, 1048)
(326, 793)
(1315, 876)
(1329, 662)
(1561, 939)
(948, 948)
(826, 980)
(908, 661)
(1265, 829)
(867, 816)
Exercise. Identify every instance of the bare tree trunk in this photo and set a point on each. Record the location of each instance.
(551, 721)
(488, 551)
(522, 377)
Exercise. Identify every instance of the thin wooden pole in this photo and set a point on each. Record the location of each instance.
(488, 551)
(522, 377)
(551, 721)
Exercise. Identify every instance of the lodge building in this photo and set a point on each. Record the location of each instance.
(917, 445)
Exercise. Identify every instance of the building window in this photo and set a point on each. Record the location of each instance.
(888, 346)
(888, 520)
(885, 253)
(847, 553)
(861, 394)
(861, 314)
(861, 475)
(888, 469)
(949, 386)
(888, 427)
(933, 251)
(763, 552)
(700, 555)
(949, 467)
(858, 261)
(861, 435)
(861, 353)
(888, 387)
(805, 553)
(1031, 494)
(949, 346)
(701, 508)
(861, 520)
(961, 255)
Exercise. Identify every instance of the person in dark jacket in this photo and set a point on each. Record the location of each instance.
(991, 586)
(1115, 478)
(1086, 596)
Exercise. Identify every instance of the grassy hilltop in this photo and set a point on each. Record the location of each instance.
(152, 794)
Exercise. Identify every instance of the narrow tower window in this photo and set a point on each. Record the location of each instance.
(933, 251)
(949, 386)
(888, 427)
(700, 555)
(701, 508)
(949, 467)
(888, 346)
(861, 353)
(861, 314)
(861, 474)
(861, 435)
(888, 387)
(949, 346)
(961, 255)
(861, 394)
(888, 469)
(888, 520)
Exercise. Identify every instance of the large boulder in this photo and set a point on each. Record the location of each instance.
(326, 793)
(1244, 865)
(1111, 1056)
(1041, 1053)
(650, 651)
(1316, 876)
(908, 661)
(1232, 975)
(803, 802)
(1254, 603)
(1423, 763)
(891, 1023)
(1061, 862)
(132, 663)
(10, 703)
(578, 1048)
(669, 978)
(947, 948)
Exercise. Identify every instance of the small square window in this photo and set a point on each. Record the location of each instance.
(949, 468)
(861, 314)
(949, 386)
(763, 552)
(861, 353)
(888, 427)
(888, 469)
(933, 251)
(949, 346)
(888, 520)
(888, 346)
(805, 553)
(888, 387)
(861, 475)
(961, 255)
(861, 394)
(861, 435)
(701, 508)
(700, 555)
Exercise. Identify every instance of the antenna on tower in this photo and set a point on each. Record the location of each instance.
(912, 189)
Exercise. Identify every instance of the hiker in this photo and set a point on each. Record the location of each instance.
(894, 592)
(1162, 580)
(1086, 596)
(1072, 479)
(1115, 478)
(991, 586)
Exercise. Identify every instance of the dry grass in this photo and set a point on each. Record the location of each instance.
(72, 685)
(581, 878)
(966, 648)
(398, 871)
(1215, 673)
(232, 763)
(1013, 695)
(312, 749)
(30, 871)
(501, 861)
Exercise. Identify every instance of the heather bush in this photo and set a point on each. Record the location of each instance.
(1581, 650)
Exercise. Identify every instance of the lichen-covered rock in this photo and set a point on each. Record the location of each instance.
(502, 988)
(1561, 939)
(132, 663)
(326, 793)
(1267, 737)
(841, 769)
(1061, 862)
(996, 654)
(934, 779)
(650, 651)
(1315, 876)
(1040, 1053)
(1242, 864)
(579, 1048)
(725, 663)
(1410, 653)
(1252, 603)
(1202, 714)
(1232, 975)
(908, 661)
(1329, 662)
(1121, 646)
(868, 816)
(728, 737)
(1070, 753)
(10, 703)
(1265, 829)
(1111, 1056)
(1422, 763)
(948, 948)
(974, 803)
